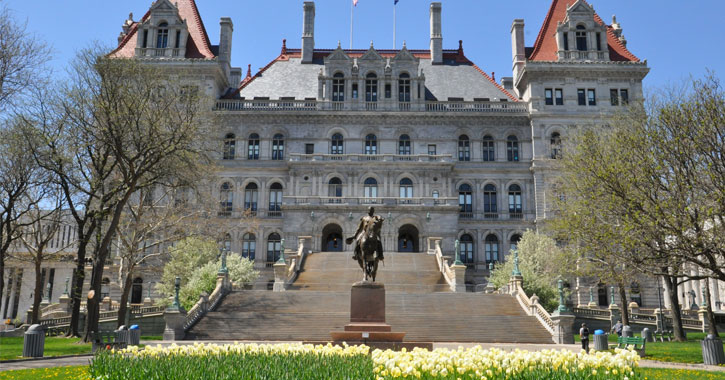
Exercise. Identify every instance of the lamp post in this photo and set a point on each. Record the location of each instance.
(281, 252)
(591, 295)
(611, 296)
(516, 271)
(67, 279)
(562, 303)
(223, 254)
(458, 253)
(661, 322)
(177, 285)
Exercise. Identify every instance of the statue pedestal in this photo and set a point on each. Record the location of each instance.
(367, 320)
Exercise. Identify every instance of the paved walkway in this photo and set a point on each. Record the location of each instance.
(83, 360)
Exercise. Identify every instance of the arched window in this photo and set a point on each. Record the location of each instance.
(105, 287)
(436, 195)
(555, 145)
(278, 147)
(465, 201)
(489, 150)
(338, 87)
(275, 200)
(251, 195)
(253, 147)
(230, 142)
(370, 189)
(404, 145)
(334, 190)
(162, 36)
(371, 144)
(491, 249)
(336, 145)
(464, 148)
(227, 243)
(404, 88)
(274, 247)
(512, 148)
(371, 88)
(581, 38)
(226, 199)
(490, 205)
(406, 189)
(515, 208)
(466, 247)
(249, 246)
(514, 242)
(137, 291)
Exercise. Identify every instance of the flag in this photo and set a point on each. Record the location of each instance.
(396, 2)
(354, 3)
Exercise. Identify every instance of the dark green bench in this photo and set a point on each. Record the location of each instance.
(106, 340)
(637, 343)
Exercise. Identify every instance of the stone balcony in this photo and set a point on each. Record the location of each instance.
(364, 202)
(496, 216)
(296, 157)
(313, 105)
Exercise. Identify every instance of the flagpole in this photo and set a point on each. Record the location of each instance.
(395, 19)
(352, 10)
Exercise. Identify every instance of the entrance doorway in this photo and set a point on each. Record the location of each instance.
(332, 240)
(137, 290)
(408, 239)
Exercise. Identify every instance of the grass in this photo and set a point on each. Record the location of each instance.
(676, 374)
(12, 348)
(152, 337)
(674, 352)
(58, 373)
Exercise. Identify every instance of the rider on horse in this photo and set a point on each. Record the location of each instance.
(366, 224)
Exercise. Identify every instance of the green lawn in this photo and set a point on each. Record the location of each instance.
(677, 352)
(12, 348)
(677, 374)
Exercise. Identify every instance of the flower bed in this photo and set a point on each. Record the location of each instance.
(299, 362)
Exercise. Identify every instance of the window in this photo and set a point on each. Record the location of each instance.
(370, 189)
(334, 190)
(614, 96)
(274, 247)
(592, 97)
(105, 287)
(309, 148)
(137, 291)
(555, 145)
(581, 38)
(549, 96)
(465, 200)
(464, 148)
(388, 91)
(229, 146)
(338, 88)
(431, 149)
(559, 94)
(514, 242)
(249, 246)
(618, 97)
(515, 208)
(492, 249)
(371, 88)
(489, 150)
(278, 147)
(565, 37)
(490, 205)
(337, 144)
(162, 36)
(177, 42)
(354, 91)
(275, 199)
(466, 247)
(406, 188)
(251, 194)
(145, 39)
(226, 199)
(436, 195)
(253, 147)
(404, 88)
(227, 243)
(581, 96)
(404, 145)
(599, 41)
(624, 96)
(512, 148)
(371, 144)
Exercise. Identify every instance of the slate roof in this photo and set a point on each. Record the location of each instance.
(545, 47)
(457, 77)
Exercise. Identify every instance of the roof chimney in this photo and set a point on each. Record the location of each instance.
(518, 49)
(308, 32)
(436, 34)
(225, 39)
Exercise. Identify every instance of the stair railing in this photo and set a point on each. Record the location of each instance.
(532, 307)
(448, 274)
(297, 261)
(208, 303)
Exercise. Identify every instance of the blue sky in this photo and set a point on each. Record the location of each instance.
(678, 38)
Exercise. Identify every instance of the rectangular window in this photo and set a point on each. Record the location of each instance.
(549, 96)
(431, 150)
(309, 148)
(354, 90)
(592, 96)
(145, 39)
(388, 91)
(582, 96)
(565, 37)
(599, 41)
(559, 97)
(624, 96)
(614, 96)
(178, 39)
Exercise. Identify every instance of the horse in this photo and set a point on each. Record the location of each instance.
(370, 248)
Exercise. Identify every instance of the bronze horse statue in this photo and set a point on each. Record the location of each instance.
(368, 245)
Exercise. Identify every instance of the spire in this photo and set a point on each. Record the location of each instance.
(284, 47)
(460, 48)
(249, 71)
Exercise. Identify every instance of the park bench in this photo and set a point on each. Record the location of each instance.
(106, 340)
(663, 335)
(637, 343)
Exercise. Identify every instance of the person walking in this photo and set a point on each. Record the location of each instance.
(584, 336)
(617, 328)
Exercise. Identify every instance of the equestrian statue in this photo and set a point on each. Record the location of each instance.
(368, 245)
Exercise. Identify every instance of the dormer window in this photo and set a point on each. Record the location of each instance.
(162, 37)
(338, 88)
(371, 88)
(404, 88)
(581, 38)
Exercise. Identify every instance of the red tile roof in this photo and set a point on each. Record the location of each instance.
(545, 47)
(197, 45)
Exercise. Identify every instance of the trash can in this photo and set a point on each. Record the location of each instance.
(627, 332)
(712, 351)
(34, 342)
(647, 335)
(134, 335)
(122, 335)
(601, 341)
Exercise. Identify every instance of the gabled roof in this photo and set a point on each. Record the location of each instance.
(197, 45)
(545, 47)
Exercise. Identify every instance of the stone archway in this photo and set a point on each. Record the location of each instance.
(408, 239)
(332, 240)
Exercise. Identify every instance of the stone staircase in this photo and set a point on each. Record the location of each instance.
(418, 302)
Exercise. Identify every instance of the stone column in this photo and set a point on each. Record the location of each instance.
(614, 315)
(175, 317)
(715, 295)
(563, 328)
(702, 315)
(280, 274)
